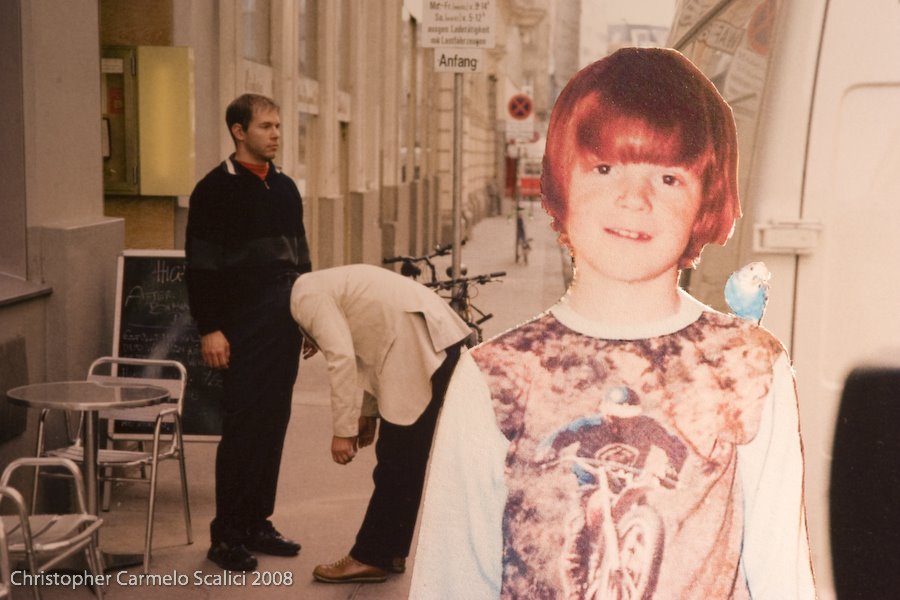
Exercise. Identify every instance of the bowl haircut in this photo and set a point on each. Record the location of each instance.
(646, 105)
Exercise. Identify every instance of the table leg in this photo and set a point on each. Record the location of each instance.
(91, 440)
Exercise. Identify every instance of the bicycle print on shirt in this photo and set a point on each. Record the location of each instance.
(595, 503)
(614, 541)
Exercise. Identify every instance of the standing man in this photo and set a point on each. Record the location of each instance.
(391, 345)
(245, 247)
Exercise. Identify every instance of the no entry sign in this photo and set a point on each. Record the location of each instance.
(520, 107)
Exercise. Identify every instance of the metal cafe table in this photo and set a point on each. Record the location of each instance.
(90, 397)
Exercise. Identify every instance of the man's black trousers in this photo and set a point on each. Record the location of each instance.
(259, 381)
(402, 454)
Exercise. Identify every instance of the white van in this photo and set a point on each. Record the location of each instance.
(815, 89)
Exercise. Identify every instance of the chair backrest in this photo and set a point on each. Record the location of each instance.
(35, 537)
(5, 569)
(168, 374)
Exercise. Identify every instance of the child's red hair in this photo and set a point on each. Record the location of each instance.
(647, 105)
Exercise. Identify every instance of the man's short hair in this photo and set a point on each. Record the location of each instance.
(241, 110)
(647, 105)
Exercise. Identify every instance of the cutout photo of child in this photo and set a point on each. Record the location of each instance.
(629, 442)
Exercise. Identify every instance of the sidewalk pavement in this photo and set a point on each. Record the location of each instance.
(320, 504)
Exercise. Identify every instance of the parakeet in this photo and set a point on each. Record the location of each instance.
(747, 291)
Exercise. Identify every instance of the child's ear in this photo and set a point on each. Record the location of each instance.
(700, 236)
(563, 238)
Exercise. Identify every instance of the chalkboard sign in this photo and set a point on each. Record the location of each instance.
(153, 321)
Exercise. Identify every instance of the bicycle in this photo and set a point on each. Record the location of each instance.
(523, 245)
(624, 536)
(461, 299)
(409, 266)
(613, 538)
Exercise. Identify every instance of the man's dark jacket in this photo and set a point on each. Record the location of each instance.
(243, 234)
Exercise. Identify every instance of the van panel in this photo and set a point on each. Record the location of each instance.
(825, 150)
(847, 290)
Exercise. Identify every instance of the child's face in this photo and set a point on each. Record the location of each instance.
(630, 221)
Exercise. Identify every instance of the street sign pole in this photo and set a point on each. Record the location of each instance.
(457, 172)
(459, 31)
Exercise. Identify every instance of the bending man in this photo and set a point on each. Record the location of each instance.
(398, 341)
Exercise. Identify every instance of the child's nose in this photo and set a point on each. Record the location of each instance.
(635, 193)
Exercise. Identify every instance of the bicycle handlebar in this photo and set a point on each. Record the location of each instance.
(478, 279)
(600, 464)
(438, 251)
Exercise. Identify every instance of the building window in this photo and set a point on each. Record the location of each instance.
(12, 140)
(733, 51)
(308, 39)
(420, 121)
(256, 16)
(407, 96)
(345, 39)
(305, 122)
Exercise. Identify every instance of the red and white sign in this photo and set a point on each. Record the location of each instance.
(520, 117)
(520, 107)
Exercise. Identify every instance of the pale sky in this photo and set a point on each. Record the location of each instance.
(640, 12)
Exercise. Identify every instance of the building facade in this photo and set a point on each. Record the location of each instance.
(367, 133)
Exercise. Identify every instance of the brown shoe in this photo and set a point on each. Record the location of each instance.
(349, 570)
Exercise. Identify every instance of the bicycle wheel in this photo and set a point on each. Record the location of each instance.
(640, 533)
(518, 236)
(522, 246)
(580, 554)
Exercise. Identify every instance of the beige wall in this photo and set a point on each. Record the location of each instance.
(62, 99)
(12, 142)
(22, 321)
(71, 247)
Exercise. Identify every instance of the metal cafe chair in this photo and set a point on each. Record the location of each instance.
(43, 541)
(159, 424)
(5, 569)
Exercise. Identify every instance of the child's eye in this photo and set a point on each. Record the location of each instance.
(670, 180)
(603, 169)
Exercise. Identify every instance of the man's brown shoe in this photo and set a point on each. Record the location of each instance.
(349, 570)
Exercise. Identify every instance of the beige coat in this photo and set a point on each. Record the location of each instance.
(380, 333)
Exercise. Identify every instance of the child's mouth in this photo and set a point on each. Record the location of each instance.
(638, 236)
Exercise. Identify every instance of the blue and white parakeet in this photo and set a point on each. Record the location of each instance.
(747, 291)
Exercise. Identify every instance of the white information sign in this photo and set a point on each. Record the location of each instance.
(458, 60)
(458, 23)
(112, 65)
(520, 131)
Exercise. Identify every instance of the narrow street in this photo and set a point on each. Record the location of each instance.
(320, 503)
